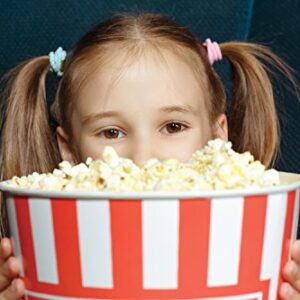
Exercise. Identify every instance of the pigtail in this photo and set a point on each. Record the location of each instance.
(252, 118)
(27, 142)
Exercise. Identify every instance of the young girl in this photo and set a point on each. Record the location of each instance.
(147, 87)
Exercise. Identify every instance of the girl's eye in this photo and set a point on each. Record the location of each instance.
(111, 133)
(174, 127)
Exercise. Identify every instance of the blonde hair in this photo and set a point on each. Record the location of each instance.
(29, 144)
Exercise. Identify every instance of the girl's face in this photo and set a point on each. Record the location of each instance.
(153, 109)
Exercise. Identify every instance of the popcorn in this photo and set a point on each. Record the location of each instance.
(215, 167)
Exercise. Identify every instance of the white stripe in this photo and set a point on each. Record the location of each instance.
(14, 231)
(43, 240)
(160, 232)
(56, 297)
(95, 243)
(225, 240)
(239, 297)
(295, 216)
(274, 228)
(255, 296)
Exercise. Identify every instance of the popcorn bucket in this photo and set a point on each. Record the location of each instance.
(188, 245)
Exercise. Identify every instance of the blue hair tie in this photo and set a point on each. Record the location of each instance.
(57, 59)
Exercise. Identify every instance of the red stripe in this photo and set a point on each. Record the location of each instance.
(126, 230)
(252, 239)
(67, 244)
(286, 243)
(193, 246)
(26, 241)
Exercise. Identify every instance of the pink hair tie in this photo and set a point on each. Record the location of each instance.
(213, 51)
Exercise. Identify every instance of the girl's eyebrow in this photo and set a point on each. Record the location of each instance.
(177, 108)
(93, 117)
(167, 109)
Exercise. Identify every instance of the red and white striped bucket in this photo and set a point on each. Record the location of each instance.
(212, 246)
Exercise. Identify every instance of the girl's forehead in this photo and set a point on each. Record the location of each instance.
(153, 75)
